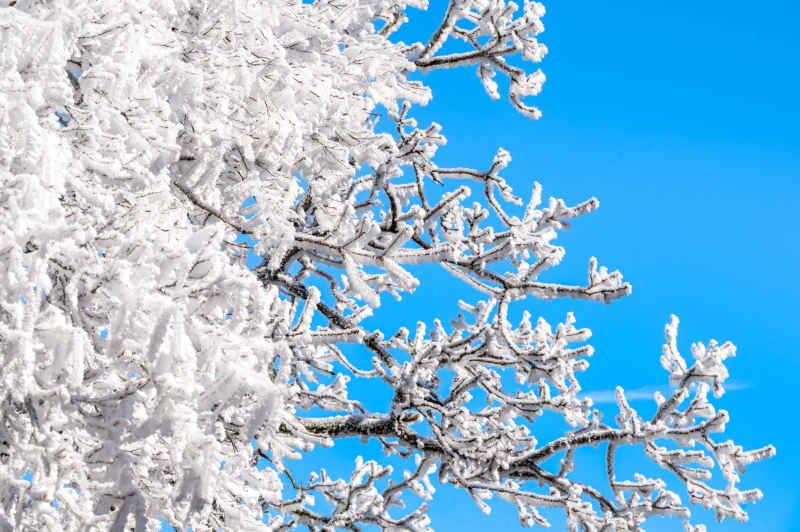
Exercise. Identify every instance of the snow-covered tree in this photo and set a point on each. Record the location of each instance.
(147, 373)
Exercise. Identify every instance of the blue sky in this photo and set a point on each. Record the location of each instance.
(681, 117)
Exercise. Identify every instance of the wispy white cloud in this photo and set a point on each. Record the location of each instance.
(645, 393)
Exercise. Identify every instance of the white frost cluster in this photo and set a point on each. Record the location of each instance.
(148, 374)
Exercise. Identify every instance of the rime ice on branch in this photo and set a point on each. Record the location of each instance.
(148, 373)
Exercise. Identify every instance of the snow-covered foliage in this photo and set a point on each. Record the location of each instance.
(147, 373)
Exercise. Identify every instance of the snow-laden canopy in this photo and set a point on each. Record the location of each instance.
(146, 373)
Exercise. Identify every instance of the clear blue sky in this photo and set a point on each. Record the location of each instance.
(681, 117)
